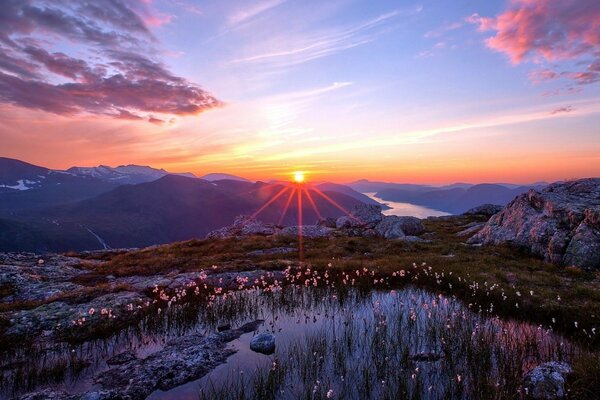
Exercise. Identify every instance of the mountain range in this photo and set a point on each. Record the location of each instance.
(102, 207)
(454, 199)
(87, 208)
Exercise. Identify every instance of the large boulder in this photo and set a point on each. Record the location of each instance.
(394, 227)
(561, 224)
(390, 228)
(362, 216)
(244, 225)
(547, 381)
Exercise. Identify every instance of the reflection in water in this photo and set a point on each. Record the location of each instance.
(407, 209)
(355, 343)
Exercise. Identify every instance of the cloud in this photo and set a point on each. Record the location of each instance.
(548, 31)
(252, 11)
(112, 73)
(447, 27)
(542, 75)
(561, 110)
(292, 52)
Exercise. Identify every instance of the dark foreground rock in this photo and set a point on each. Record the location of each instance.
(263, 343)
(182, 360)
(561, 224)
(547, 381)
(485, 209)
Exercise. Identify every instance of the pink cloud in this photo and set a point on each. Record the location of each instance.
(547, 31)
(119, 79)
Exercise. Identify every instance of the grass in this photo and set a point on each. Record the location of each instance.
(491, 280)
(562, 295)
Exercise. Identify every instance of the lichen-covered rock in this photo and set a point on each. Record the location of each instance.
(561, 224)
(32, 277)
(547, 381)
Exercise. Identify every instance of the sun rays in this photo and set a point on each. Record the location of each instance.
(296, 191)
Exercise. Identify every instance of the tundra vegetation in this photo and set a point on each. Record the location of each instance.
(435, 318)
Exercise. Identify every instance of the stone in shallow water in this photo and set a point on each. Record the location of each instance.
(263, 343)
(547, 381)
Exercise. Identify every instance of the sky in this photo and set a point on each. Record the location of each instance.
(406, 91)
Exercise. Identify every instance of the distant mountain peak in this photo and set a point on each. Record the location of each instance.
(219, 176)
(125, 174)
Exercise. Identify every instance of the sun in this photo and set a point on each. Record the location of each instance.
(299, 176)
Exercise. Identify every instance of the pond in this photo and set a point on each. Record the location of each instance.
(331, 342)
(407, 209)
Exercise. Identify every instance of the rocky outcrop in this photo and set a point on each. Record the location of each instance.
(49, 318)
(486, 210)
(547, 381)
(364, 220)
(561, 224)
(244, 225)
(28, 277)
(365, 216)
(310, 231)
(182, 360)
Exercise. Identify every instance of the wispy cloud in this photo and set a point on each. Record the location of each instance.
(287, 51)
(253, 10)
(365, 141)
(561, 110)
(440, 31)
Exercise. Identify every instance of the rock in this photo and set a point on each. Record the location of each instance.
(222, 328)
(181, 360)
(263, 343)
(29, 280)
(121, 358)
(244, 225)
(411, 226)
(309, 231)
(274, 250)
(49, 394)
(560, 224)
(327, 222)
(46, 394)
(58, 314)
(486, 209)
(426, 356)
(362, 215)
(394, 227)
(471, 229)
(390, 228)
(547, 381)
